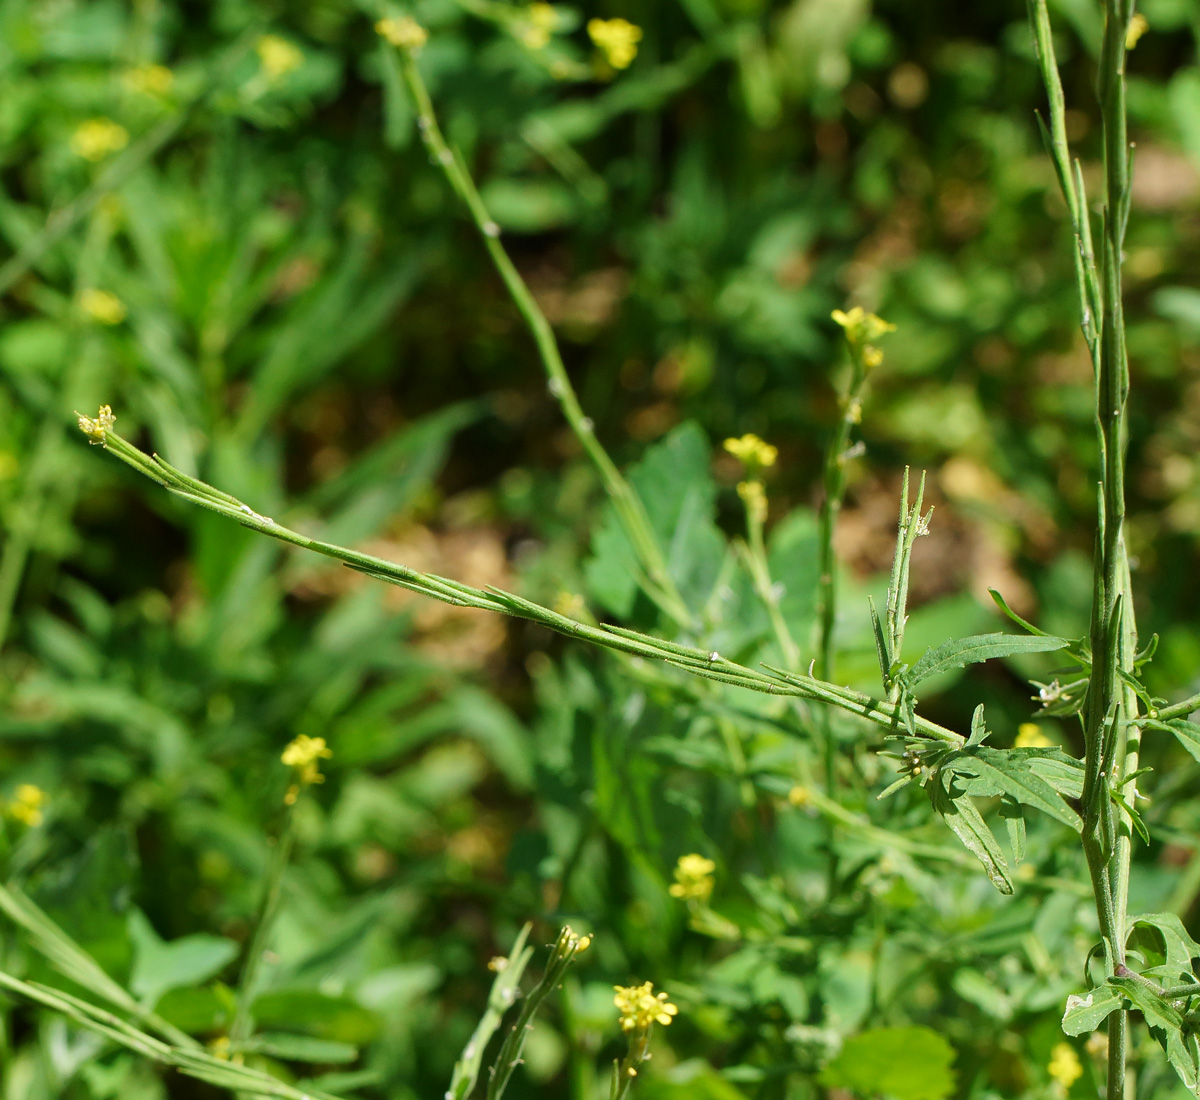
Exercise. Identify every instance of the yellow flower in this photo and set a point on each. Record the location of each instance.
(95, 429)
(872, 356)
(26, 807)
(96, 138)
(304, 754)
(1030, 736)
(539, 24)
(1064, 1065)
(617, 40)
(403, 32)
(754, 496)
(150, 79)
(1138, 26)
(693, 878)
(641, 1008)
(102, 306)
(752, 450)
(862, 326)
(278, 56)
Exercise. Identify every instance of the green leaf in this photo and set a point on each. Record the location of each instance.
(1178, 947)
(907, 1063)
(1187, 734)
(1086, 1013)
(962, 816)
(159, 966)
(1013, 775)
(980, 647)
(675, 484)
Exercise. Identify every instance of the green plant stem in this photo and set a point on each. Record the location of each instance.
(695, 662)
(1177, 710)
(1111, 737)
(243, 1020)
(630, 510)
(754, 553)
(837, 454)
(563, 954)
(191, 1062)
(504, 993)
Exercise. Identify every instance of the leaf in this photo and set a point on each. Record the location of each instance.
(1086, 1013)
(907, 1063)
(1179, 947)
(1015, 777)
(675, 484)
(979, 730)
(1187, 734)
(980, 647)
(1014, 818)
(159, 966)
(962, 816)
(1003, 605)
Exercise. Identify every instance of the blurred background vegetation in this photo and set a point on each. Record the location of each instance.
(221, 220)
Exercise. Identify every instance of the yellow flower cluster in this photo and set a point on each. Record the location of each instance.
(752, 451)
(862, 326)
(641, 1008)
(1064, 1065)
(95, 429)
(304, 754)
(617, 39)
(1030, 736)
(403, 32)
(150, 79)
(102, 306)
(539, 24)
(26, 806)
(693, 878)
(278, 56)
(95, 139)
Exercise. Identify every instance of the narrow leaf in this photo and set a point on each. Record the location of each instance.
(980, 647)
(962, 816)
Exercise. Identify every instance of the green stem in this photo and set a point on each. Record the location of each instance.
(695, 662)
(630, 510)
(243, 1020)
(834, 480)
(1111, 733)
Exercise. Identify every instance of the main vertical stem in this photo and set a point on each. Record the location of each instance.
(1111, 739)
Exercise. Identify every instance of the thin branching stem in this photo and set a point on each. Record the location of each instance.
(656, 579)
(695, 662)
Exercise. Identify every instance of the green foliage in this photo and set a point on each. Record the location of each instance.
(909, 1063)
(299, 315)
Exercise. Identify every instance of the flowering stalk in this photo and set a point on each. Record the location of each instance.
(641, 1008)
(563, 954)
(757, 456)
(861, 328)
(303, 755)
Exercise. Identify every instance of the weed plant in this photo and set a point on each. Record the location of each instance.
(719, 731)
